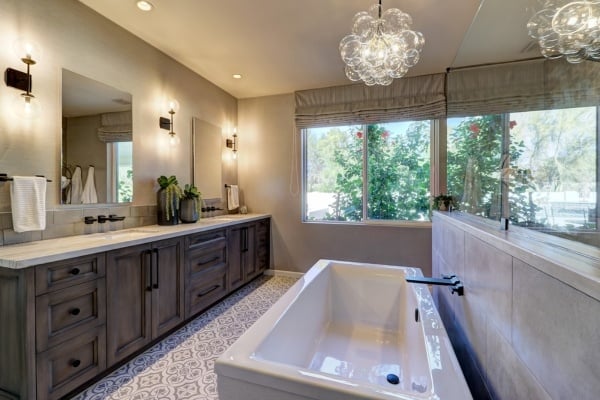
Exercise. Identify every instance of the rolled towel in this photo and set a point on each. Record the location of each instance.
(28, 203)
(233, 197)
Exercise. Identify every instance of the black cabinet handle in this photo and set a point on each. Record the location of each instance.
(75, 363)
(211, 289)
(75, 311)
(244, 240)
(148, 269)
(75, 271)
(155, 286)
(209, 261)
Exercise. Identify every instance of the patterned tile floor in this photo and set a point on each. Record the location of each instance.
(182, 365)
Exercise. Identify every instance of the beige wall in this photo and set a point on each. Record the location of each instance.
(73, 36)
(266, 130)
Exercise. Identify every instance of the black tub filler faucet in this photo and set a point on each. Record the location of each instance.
(447, 280)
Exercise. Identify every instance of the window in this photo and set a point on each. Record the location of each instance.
(381, 171)
(548, 182)
(120, 164)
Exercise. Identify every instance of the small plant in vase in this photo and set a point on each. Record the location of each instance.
(190, 204)
(167, 200)
(444, 202)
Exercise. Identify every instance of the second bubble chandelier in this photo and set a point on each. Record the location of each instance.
(381, 46)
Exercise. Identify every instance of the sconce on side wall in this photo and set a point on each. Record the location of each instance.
(22, 80)
(167, 124)
(233, 143)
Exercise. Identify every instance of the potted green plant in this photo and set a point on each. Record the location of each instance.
(167, 200)
(444, 202)
(189, 209)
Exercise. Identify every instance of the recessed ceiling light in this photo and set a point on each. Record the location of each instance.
(144, 5)
(237, 76)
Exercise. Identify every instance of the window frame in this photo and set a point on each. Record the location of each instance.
(434, 174)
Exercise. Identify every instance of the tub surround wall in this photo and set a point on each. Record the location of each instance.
(520, 331)
(267, 132)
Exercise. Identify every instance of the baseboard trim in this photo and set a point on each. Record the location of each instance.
(279, 272)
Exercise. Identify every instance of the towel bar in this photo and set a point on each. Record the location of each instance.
(6, 178)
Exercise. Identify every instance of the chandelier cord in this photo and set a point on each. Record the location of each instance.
(379, 9)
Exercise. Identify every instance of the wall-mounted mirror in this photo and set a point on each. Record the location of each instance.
(207, 147)
(97, 162)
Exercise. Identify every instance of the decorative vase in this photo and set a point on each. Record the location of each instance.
(188, 211)
(166, 214)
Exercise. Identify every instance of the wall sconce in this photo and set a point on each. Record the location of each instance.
(22, 80)
(167, 123)
(233, 143)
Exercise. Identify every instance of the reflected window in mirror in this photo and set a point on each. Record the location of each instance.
(97, 162)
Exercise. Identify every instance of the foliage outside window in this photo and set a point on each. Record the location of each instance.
(550, 174)
(393, 159)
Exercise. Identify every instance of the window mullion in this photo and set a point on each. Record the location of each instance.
(365, 175)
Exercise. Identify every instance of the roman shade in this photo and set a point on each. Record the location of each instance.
(115, 127)
(414, 98)
(522, 86)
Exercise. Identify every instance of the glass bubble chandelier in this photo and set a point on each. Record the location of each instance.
(381, 46)
(569, 29)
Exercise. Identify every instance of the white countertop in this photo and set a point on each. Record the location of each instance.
(25, 255)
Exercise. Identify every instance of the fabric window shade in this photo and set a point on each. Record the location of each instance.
(415, 98)
(115, 127)
(522, 86)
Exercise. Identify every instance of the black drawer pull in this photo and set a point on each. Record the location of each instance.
(217, 258)
(75, 271)
(211, 289)
(75, 363)
(75, 311)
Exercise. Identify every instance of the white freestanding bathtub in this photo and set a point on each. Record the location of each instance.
(337, 334)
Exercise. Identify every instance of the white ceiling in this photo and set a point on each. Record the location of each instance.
(280, 46)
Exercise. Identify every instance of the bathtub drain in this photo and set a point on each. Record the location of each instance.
(393, 379)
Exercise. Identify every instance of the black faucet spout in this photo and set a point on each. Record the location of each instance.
(452, 280)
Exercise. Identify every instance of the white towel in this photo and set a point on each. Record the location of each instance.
(233, 197)
(89, 195)
(74, 195)
(28, 203)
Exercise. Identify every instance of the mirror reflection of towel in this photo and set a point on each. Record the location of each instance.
(28, 203)
(89, 189)
(74, 194)
(233, 197)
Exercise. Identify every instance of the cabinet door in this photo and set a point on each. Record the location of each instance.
(129, 302)
(249, 252)
(234, 257)
(167, 286)
(263, 244)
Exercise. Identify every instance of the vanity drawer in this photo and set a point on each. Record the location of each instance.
(203, 259)
(61, 274)
(65, 314)
(205, 289)
(71, 364)
(205, 240)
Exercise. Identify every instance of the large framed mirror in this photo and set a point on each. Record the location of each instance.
(97, 146)
(207, 148)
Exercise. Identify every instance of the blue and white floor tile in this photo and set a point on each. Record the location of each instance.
(182, 365)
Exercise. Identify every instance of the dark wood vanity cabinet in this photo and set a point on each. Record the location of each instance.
(145, 295)
(64, 323)
(248, 251)
(206, 270)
